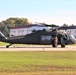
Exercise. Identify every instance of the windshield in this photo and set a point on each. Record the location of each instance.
(70, 37)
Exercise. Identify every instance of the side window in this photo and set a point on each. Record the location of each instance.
(45, 37)
(70, 31)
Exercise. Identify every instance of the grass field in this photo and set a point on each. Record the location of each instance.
(38, 63)
(3, 44)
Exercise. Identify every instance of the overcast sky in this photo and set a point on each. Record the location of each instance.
(44, 11)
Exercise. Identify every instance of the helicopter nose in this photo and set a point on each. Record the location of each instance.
(74, 41)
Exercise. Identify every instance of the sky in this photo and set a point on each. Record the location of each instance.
(57, 12)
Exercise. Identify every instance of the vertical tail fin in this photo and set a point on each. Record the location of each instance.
(2, 36)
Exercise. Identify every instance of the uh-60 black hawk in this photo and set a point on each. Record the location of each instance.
(43, 37)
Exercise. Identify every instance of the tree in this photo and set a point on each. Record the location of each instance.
(12, 22)
(65, 25)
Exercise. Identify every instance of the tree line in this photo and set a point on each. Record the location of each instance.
(12, 22)
(17, 22)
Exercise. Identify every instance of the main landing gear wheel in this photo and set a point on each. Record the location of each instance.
(55, 42)
(62, 45)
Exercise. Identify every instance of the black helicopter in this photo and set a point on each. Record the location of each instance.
(43, 37)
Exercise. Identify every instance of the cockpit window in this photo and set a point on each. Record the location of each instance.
(70, 37)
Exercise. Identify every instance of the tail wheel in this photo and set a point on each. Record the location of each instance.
(55, 42)
(7, 46)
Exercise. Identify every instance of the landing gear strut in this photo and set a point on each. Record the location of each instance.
(55, 41)
(8, 45)
(62, 42)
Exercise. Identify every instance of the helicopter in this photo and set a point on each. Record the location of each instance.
(53, 37)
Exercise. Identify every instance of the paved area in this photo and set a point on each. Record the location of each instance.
(38, 48)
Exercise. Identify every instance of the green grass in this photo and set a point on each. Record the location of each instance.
(38, 63)
(3, 44)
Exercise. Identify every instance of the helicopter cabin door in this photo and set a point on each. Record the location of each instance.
(45, 39)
